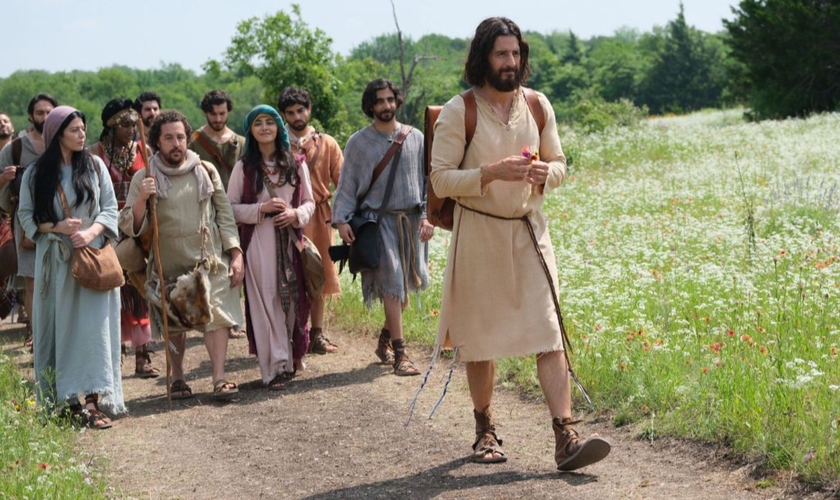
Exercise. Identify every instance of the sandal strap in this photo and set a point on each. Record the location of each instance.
(488, 442)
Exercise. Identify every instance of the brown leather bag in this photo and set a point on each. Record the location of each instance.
(440, 212)
(94, 268)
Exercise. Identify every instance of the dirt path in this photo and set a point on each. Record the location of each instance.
(337, 432)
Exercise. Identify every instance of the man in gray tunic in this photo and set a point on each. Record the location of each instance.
(403, 228)
(30, 147)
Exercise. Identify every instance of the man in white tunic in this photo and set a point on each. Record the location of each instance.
(500, 283)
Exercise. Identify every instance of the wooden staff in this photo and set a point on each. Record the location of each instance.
(161, 281)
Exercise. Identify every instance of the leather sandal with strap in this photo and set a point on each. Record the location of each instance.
(384, 351)
(403, 367)
(570, 451)
(487, 444)
(143, 363)
(93, 417)
(319, 344)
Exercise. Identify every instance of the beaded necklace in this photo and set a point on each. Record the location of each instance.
(267, 176)
(123, 159)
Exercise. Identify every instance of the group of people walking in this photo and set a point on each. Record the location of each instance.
(229, 209)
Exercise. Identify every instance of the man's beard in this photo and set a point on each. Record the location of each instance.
(299, 128)
(169, 160)
(6, 135)
(147, 122)
(384, 116)
(39, 126)
(495, 80)
(217, 127)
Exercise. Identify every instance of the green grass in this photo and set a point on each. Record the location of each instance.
(698, 263)
(39, 457)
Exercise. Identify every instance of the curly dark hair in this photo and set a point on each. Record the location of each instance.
(168, 116)
(146, 97)
(477, 67)
(291, 96)
(369, 95)
(214, 98)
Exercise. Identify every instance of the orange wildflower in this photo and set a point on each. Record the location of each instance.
(746, 338)
(704, 370)
(763, 350)
(716, 347)
(43, 466)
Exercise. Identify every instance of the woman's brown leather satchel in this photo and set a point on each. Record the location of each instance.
(94, 268)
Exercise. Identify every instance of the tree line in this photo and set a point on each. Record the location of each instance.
(778, 58)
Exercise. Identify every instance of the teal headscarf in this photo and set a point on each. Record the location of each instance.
(265, 109)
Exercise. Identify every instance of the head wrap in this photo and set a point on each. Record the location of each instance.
(117, 112)
(54, 121)
(264, 109)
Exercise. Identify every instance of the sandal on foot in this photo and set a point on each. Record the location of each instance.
(180, 390)
(233, 333)
(97, 420)
(487, 443)
(318, 344)
(277, 383)
(383, 350)
(570, 451)
(405, 368)
(143, 364)
(223, 390)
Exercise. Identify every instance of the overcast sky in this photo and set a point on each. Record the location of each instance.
(63, 35)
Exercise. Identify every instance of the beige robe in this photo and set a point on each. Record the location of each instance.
(179, 221)
(496, 301)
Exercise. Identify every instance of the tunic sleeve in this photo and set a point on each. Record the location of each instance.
(126, 217)
(6, 189)
(306, 208)
(224, 212)
(448, 153)
(243, 213)
(26, 208)
(336, 161)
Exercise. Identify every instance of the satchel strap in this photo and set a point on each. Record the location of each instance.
(211, 150)
(398, 140)
(393, 174)
(66, 206)
(471, 112)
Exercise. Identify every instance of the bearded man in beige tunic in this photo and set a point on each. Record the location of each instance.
(497, 295)
(196, 230)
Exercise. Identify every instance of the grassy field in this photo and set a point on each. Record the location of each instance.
(699, 280)
(38, 458)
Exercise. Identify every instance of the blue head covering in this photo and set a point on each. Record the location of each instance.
(265, 109)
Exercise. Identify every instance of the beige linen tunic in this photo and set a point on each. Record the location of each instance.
(496, 298)
(179, 221)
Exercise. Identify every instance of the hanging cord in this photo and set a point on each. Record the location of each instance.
(566, 343)
(405, 231)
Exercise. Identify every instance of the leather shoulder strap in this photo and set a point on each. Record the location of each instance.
(17, 152)
(398, 140)
(470, 116)
(536, 108)
(211, 150)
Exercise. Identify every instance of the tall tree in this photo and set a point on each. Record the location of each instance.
(282, 50)
(790, 52)
(680, 78)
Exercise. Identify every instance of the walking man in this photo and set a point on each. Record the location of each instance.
(216, 143)
(500, 283)
(324, 159)
(401, 214)
(194, 218)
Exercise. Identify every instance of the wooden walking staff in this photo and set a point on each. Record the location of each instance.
(161, 281)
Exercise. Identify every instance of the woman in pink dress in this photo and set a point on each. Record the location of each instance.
(271, 196)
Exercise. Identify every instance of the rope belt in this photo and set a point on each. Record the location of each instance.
(550, 280)
(405, 229)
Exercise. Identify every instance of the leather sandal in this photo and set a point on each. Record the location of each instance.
(570, 451)
(143, 364)
(223, 390)
(180, 390)
(487, 443)
(384, 351)
(403, 367)
(319, 344)
(93, 417)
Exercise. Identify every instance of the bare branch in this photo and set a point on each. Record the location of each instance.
(402, 49)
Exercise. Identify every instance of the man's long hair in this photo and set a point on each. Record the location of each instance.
(47, 175)
(477, 68)
(369, 95)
